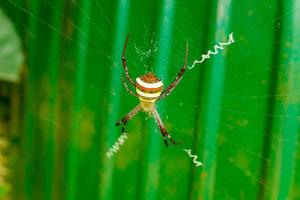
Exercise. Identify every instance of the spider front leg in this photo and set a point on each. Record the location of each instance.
(178, 78)
(124, 63)
(162, 128)
(127, 88)
(128, 117)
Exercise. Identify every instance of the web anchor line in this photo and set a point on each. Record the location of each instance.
(195, 161)
(116, 146)
(220, 46)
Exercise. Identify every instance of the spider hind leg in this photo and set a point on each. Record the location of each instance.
(171, 139)
(166, 143)
(128, 117)
(121, 121)
(162, 128)
(166, 134)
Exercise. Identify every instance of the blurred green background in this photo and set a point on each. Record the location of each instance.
(61, 94)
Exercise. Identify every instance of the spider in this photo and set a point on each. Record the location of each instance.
(149, 90)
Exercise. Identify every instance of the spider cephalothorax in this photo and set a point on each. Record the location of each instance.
(149, 89)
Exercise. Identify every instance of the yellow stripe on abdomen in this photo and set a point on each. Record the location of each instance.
(147, 97)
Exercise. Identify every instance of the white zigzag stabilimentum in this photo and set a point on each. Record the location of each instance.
(216, 47)
(195, 161)
(116, 146)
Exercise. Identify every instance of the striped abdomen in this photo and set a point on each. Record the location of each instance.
(148, 88)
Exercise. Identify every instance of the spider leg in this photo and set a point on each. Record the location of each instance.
(127, 88)
(162, 128)
(178, 78)
(128, 117)
(124, 63)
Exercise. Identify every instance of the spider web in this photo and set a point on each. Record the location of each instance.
(236, 124)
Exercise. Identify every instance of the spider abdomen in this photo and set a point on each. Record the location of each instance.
(148, 88)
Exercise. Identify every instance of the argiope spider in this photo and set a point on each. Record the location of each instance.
(149, 89)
